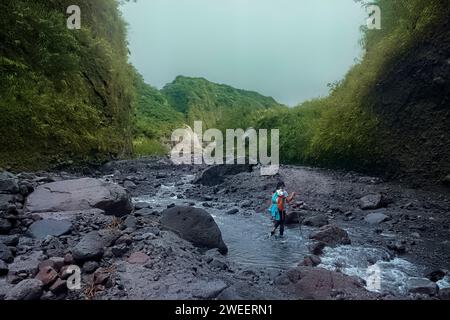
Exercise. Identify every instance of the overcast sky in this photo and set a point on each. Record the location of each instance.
(287, 49)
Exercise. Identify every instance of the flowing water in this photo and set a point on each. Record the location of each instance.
(250, 245)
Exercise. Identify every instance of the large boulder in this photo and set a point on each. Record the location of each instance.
(422, 286)
(331, 235)
(92, 245)
(314, 283)
(8, 183)
(80, 194)
(49, 227)
(215, 175)
(29, 289)
(194, 225)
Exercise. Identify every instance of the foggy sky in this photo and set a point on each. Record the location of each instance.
(287, 49)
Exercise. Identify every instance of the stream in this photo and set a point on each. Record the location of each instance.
(250, 245)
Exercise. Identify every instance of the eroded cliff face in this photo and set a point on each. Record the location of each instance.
(412, 102)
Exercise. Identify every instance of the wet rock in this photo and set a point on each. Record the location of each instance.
(3, 268)
(311, 261)
(146, 212)
(8, 183)
(318, 221)
(47, 275)
(215, 175)
(194, 225)
(373, 201)
(397, 246)
(90, 266)
(6, 254)
(437, 275)
(92, 245)
(422, 286)
(232, 211)
(49, 227)
(80, 194)
(5, 226)
(138, 258)
(317, 248)
(331, 236)
(29, 289)
(376, 218)
(320, 284)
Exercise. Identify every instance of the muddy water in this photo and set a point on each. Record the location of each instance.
(247, 237)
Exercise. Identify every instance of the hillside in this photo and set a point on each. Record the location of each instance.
(390, 114)
(66, 95)
(217, 105)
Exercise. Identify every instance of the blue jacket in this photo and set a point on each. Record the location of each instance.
(274, 207)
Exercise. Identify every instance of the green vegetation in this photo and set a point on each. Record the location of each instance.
(155, 119)
(217, 105)
(65, 94)
(343, 130)
(72, 95)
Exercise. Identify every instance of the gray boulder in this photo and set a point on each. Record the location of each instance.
(314, 283)
(29, 289)
(92, 245)
(8, 183)
(376, 218)
(80, 194)
(373, 201)
(49, 227)
(194, 225)
(422, 286)
(331, 236)
(5, 226)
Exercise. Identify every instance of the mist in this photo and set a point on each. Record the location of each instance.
(287, 49)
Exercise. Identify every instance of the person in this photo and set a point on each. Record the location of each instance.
(278, 208)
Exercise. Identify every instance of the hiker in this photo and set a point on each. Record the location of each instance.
(278, 208)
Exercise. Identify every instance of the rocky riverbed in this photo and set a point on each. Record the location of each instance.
(146, 229)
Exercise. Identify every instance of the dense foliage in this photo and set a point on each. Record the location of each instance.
(343, 130)
(65, 94)
(217, 105)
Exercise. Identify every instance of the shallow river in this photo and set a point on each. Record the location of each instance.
(249, 244)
